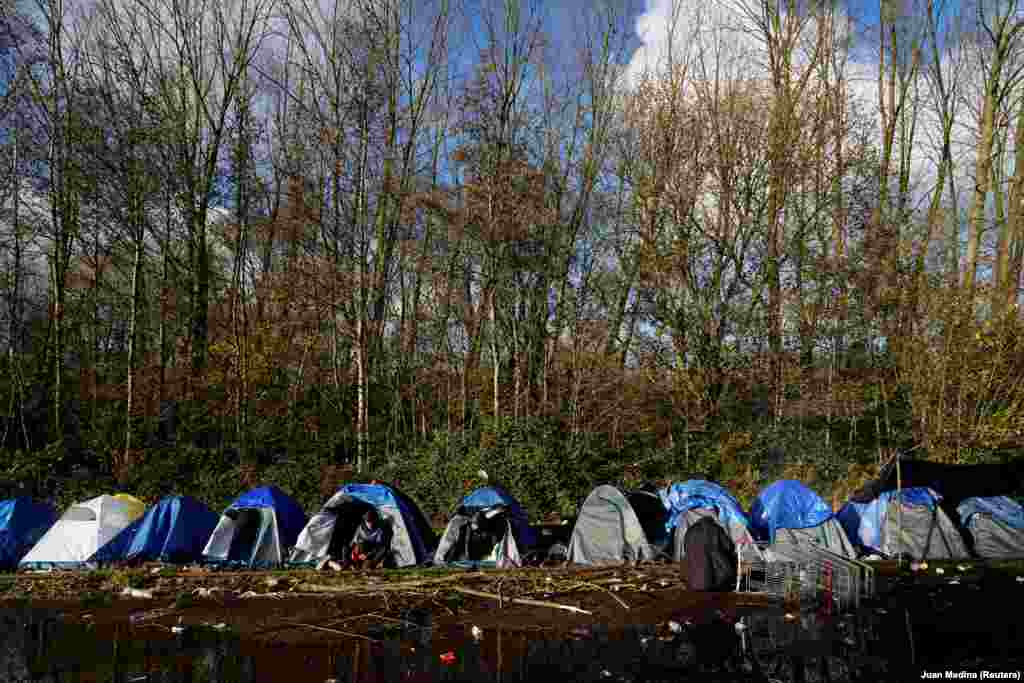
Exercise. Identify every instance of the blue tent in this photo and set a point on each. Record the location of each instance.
(487, 496)
(995, 525)
(256, 529)
(22, 523)
(524, 537)
(680, 497)
(787, 504)
(926, 530)
(411, 536)
(173, 530)
(787, 513)
(687, 501)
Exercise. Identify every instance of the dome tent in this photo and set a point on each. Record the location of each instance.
(995, 525)
(787, 513)
(335, 525)
(487, 506)
(927, 532)
(615, 526)
(174, 530)
(22, 523)
(691, 500)
(84, 528)
(256, 529)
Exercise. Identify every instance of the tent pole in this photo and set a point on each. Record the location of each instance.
(899, 515)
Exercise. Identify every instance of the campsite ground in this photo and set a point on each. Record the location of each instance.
(316, 608)
(302, 620)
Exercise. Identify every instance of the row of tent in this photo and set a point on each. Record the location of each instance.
(265, 527)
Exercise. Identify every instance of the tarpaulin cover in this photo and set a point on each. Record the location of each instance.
(23, 522)
(1006, 510)
(411, 535)
(682, 496)
(787, 504)
(174, 530)
(953, 482)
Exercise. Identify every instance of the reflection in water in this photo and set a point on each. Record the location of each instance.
(36, 645)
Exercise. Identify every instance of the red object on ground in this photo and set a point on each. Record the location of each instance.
(448, 657)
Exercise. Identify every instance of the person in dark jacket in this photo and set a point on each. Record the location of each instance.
(710, 557)
(370, 545)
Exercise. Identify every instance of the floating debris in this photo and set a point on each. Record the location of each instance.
(940, 570)
(448, 657)
(963, 567)
(477, 632)
(675, 627)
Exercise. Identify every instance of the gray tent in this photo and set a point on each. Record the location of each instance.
(332, 529)
(996, 525)
(610, 530)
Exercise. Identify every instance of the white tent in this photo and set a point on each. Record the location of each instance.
(83, 529)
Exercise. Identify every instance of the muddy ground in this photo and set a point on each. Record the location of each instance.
(298, 608)
(295, 617)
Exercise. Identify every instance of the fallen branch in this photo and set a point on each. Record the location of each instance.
(614, 596)
(523, 601)
(333, 630)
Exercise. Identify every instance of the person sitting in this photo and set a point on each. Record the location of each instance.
(371, 544)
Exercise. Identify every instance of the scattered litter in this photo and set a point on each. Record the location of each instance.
(675, 627)
(1020, 579)
(605, 673)
(137, 593)
(644, 640)
(477, 632)
(217, 627)
(272, 582)
(790, 617)
(448, 657)
(881, 610)
(139, 678)
(940, 570)
(207, 592)
(643, 587)
(663, 582)
(609, 580)
(850, 641)
(581, 632)
(155, 570)
(954, 582)
(740, 626)
(178, 629)
(963, 567)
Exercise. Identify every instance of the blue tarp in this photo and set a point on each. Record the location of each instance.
(487, 496)
(863, 522)
(290, 517)
(1001, 508)
(787, 504)
(382, 495)
(174, 530)
(22, 523)
(680, 497)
